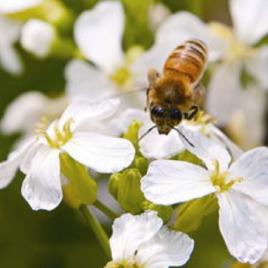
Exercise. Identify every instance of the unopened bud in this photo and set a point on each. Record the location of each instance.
(132, 134)
(164, 212)
(141, 164)
(37, 37)
(189, 215)
(125, 187)
(41, 39)
(80, 189)
(188, 157)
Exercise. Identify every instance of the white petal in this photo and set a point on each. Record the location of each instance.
(9, 167)
(129, 115)
(158, 146)
(120, 122)
(252, 167)
(168, 182)
(251, 116)
(219, 136)
(257, 66)
(129, 232)
(37, 37)
(42, 186)
(98, 33)
(86, 81)
(81, 111)
(182, 26)
(101, 153)
(28, 157)
(153, 58)
(157, 14)
(9, 58)
(250, 19)
(8, 171)
(165, 249)
(30, 105)
(12, 6)
(205, 148)
(241, 229)
(224, 92)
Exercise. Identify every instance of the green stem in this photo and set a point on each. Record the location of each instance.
(97, 229)
(105, 210)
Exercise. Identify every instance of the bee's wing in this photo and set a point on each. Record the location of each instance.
(199, 94)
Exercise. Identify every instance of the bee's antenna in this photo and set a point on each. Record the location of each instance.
(183, 136)
(146, 133)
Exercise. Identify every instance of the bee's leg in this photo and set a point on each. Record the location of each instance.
(192, 113)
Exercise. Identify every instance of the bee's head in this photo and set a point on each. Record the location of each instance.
(165, 118)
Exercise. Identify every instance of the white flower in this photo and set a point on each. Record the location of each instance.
(241, 189)
(12, 6)
(28, 109)
(249, 26)
(37, 37)
(156, 146)
(250, 115)
(98, 34)
(39, 158)
(143, 241)
(9, 31)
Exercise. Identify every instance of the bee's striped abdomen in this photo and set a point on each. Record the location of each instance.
(188, 59)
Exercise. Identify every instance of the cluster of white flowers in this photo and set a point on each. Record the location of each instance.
(86, 129)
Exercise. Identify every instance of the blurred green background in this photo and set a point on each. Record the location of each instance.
(60, 239)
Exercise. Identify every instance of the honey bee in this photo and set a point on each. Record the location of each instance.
(176, 93)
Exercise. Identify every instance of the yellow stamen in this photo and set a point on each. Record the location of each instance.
(218, 179)
(122, 76)
(237, 49)
(60, 137)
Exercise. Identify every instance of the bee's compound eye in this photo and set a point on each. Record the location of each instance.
(158, 111)
(176, 114)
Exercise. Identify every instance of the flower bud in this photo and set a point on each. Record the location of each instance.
(52, 11)
(125, 187)
(80, 188)
(189, 215)
(164, 212)
(37, 37)
(188, 157)
(113, 184)
(141, 164)
(132, 133)
(41, 39)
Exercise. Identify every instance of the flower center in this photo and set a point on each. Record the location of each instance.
(122, 76)
(219, 179)
(58, 137)
(237, 50)
(123, 264)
